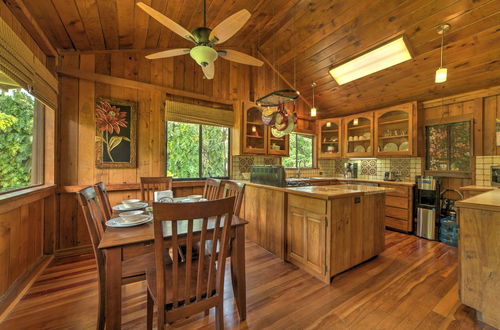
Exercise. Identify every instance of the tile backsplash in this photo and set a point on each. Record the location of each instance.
(483, 169)
(241, 165)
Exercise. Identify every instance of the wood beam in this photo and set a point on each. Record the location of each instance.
(282, 77)
(27, 20)
(128, 83)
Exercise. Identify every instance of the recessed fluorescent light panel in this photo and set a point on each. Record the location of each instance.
(380, 58)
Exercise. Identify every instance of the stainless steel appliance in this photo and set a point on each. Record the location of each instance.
(350, 170)
(427, 206)
(495, 176)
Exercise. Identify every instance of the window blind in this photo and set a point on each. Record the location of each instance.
(198, 114)
(20, 64)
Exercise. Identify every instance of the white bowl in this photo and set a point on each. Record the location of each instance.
(130, 214)
(195, 197)
(130, 202)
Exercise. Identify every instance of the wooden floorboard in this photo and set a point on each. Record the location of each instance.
(411, 285)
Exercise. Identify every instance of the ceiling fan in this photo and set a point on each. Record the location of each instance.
(205, 39)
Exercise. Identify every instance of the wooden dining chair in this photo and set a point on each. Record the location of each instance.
(102, 193)
(236, 189)
(211, 190)
(184, 288)
(151, 184)
(133, 269)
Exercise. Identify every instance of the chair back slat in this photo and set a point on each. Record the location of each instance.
(188, 224)
(151, 184)
(212, 188)
(235, 189)
(102, 193)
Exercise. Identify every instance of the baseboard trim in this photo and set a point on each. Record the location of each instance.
(20, 287)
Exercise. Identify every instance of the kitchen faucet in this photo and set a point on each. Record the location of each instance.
(297, 174)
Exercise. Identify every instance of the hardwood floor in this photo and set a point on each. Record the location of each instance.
(411, 285)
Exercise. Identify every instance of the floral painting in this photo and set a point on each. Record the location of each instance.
(115, 133)
(449, 147)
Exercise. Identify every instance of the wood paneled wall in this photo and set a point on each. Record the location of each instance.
(232, 82)
(484, 106)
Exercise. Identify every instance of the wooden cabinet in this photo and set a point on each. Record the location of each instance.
(396, 131)
(329, 138)
(306, 234)
(399, 207)
(257, 138)
(358, 135)
(264, 209)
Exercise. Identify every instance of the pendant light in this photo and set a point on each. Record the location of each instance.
(442, 73)
(314, 111)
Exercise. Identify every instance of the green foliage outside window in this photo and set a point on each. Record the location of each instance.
(189, 145)
(301, 150)
(16, 138)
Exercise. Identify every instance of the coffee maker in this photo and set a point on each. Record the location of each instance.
(350, 170)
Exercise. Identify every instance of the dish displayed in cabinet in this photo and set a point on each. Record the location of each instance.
(329, 135)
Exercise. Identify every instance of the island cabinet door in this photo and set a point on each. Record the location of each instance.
(306, 244)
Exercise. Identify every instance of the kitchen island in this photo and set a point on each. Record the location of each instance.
(324, 230)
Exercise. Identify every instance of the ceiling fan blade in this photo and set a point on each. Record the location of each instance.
(168, 53)
(209, 70)
(235, 56)
(228, 27)
(173, 26)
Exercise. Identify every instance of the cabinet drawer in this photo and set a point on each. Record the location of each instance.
(395, 212)
(400, 202)
(315, 205)
(396, 223)
(399, 191)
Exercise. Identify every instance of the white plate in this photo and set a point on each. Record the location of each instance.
(120, 223)
(369, 149)
(359, 148)
(403, 146)
(121, 207)
(391, 147)
(367, 136)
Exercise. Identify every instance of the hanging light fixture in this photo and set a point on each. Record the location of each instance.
(313, 109)
(442, 73)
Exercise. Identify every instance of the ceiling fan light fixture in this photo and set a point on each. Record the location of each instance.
(380, 58)
(203, 55)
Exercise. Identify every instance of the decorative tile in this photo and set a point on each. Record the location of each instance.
(245, 162)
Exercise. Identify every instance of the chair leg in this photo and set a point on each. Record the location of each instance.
(101, 320)
(149, 308)
(219, 316)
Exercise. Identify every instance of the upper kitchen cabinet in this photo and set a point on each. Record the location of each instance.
(329, 138)
(278, 146)
(396, 130)
(255, 133)
(358, 135)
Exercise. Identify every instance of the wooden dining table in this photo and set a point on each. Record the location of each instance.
(121, 244)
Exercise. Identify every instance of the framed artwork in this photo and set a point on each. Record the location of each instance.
(116, 137)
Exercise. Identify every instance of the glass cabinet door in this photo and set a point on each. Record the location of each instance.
(254, 132)
(359, 135)
(329, 138)
(394, 132)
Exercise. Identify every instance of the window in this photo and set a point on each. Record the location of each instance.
(449, 148)
(301, 151)
(21, 139)
(197, 151)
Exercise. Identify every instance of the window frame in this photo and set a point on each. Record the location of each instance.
(200, 144)
(450, 121)
(313, 146)
(37, 148)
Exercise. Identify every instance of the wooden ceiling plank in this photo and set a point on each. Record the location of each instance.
(92, 23)
(309, 69)
(141, 23)
(27, 20)
(174, 12)
(154, 28)
(68, 12)
(109, 22)
(48, 19)
(125, 18)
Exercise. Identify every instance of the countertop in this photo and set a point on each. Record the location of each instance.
(396, 183)
(487, 201)
(325, 192)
